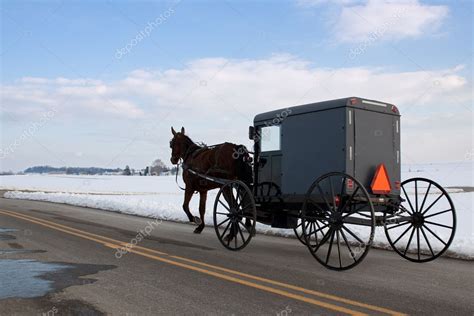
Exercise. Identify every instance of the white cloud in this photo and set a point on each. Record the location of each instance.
(313, 3)
(216, 98)
(388, 20)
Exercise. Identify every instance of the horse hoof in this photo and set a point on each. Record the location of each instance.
(197, 220)
(198, 230)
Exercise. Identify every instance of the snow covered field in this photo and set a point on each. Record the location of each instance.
(159, 197)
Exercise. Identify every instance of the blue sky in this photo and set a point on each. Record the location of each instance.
(212, 65)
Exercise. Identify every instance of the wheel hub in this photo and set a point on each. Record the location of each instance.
(418, 219)
(336, 220)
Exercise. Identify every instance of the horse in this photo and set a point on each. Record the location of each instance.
(227, 161)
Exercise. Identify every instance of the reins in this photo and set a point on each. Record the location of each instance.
(176, 178)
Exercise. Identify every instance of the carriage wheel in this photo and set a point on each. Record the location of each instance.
(234, 215)
(338, 221)
(425, 225)
(265, 191)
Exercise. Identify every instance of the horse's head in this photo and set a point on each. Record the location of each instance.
(178, 145)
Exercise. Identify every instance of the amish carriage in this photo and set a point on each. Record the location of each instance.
(331, 172)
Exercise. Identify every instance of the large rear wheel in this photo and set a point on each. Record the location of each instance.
(425, 224)
(338, 221)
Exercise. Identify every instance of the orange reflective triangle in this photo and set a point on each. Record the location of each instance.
(381, 182)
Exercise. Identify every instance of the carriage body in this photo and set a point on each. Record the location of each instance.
(295, 145)
(331, 171)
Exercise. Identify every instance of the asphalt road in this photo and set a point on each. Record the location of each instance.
(174, 271)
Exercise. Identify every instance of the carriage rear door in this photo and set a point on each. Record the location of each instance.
(269, 160)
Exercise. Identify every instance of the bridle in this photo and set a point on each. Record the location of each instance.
(182, 160)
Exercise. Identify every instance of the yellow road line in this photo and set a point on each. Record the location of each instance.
(113, 244)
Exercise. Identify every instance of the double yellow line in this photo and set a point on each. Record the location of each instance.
(229, 275)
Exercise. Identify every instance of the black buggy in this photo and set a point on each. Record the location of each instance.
(331, 172)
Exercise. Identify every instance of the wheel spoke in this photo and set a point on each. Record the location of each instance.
(330, 247)
(343, 184)
(416, 195)
(348, 246)
(323, 240)
(350, 199)
(408, 199)
(339, 248)
(320, 228)
(356, 211)
(438, 213)
(226, 207)
(402, 224)
(241, 233)
(424, 199)
(427, 241)
(432, 204)
(225, 214)
(418, 241)
(234, 234)
(333, 196)
(246, 206)
(409, 241)
(324, 197)
(400, 237)
(440, 225)
(224, 221)
(428, 229)
(353, 235)
(225, 230)
(405, 209)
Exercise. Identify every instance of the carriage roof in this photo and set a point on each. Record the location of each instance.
(351, 102)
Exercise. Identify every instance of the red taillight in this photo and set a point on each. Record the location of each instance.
(337, 200)
(353, 101)
(350, 184)
(394, 109)
(397, 185)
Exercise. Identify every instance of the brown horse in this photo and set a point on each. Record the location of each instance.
(227, 161)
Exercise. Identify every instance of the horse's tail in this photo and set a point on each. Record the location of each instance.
(244, 165)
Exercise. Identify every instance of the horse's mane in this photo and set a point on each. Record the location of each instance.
(191, 142)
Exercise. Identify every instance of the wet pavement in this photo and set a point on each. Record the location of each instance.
(29, 286)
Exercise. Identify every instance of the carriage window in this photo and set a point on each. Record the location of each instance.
(270, 138)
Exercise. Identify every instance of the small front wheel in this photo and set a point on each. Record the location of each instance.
(235, 215)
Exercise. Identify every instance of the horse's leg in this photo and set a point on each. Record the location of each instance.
(188, 194)
(202, 210)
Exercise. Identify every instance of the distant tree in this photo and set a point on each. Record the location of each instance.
(71, 170)
(126, 171)
(157, 167)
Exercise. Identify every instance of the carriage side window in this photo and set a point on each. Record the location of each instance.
(270, 138)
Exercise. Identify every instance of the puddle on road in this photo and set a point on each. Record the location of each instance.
(4, 236)
(15, 251)
(21, 278)
(7, 237)
(7, 230)
(29, 278)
